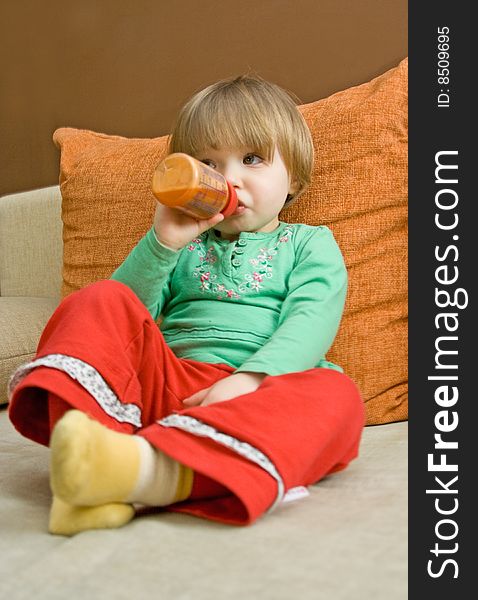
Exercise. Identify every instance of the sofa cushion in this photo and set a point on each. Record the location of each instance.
(359, 189)
(353, 522)
(22, 319)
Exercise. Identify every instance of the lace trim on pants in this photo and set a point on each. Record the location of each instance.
(196, 427)
(89, 378)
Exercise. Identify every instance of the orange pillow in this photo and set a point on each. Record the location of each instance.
(358, 189)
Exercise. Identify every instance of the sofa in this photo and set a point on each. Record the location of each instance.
(347, 539)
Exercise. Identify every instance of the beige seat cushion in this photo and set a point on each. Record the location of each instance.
(22, 320)
(347, 540)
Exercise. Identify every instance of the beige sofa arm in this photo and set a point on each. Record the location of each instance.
(31, 243)
(31, 251)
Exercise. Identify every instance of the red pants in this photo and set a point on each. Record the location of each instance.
(102, 353)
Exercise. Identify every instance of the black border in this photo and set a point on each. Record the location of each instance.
(434, 129)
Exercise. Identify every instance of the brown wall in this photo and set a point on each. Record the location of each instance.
(125, 66)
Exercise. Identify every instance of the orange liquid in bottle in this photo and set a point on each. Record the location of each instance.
(180, 181)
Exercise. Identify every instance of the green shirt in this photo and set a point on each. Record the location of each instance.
(266, 302)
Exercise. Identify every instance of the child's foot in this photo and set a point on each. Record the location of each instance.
(66, 519)
(92, 465)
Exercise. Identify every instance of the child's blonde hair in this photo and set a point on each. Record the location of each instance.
(247, 111)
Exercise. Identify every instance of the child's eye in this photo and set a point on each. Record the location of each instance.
(209, 163)
(252, 159)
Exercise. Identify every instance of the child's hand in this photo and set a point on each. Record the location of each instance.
(175, 229)
(225, 389)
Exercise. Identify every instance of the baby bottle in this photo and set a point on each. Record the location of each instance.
(180, 181)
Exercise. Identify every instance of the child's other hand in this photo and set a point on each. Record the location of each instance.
(236, 384)
(175, 229)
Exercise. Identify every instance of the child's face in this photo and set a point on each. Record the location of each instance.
(261, 188)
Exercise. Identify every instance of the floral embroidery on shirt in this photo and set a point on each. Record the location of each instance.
(262, 268)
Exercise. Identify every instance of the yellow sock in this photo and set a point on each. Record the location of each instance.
(66, 519)
(92, 465)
